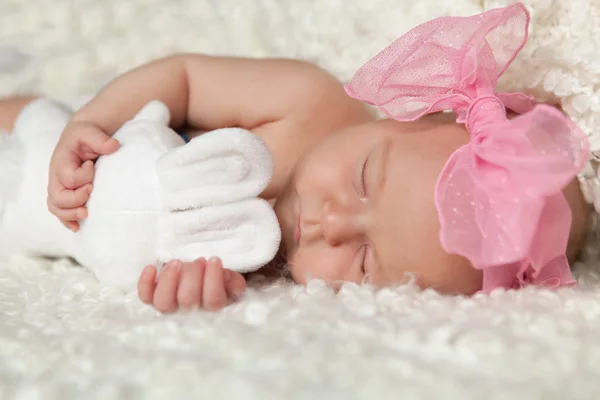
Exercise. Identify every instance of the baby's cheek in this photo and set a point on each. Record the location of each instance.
(452, 275)
(329, 264)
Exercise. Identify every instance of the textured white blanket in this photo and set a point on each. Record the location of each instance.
(64, 336)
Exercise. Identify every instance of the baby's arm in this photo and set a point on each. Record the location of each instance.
(290, 104)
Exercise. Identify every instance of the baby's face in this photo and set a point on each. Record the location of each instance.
(360, 207)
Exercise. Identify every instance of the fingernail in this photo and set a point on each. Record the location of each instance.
(146, 269)
(237, 295)
(80, 214)
(177, 265)
(213, 260)
(227, 275)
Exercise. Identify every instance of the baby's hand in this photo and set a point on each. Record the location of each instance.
(72, 170)
(198, 284)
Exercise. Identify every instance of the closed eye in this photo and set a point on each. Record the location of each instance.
(363, 267)
(363, 177)
(367, 260)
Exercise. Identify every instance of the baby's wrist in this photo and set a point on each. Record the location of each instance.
(79, 121)
(98, 116)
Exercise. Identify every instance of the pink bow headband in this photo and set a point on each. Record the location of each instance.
(499, 197)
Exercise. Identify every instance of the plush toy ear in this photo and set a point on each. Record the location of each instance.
(218, 167)
(209, 188)
(155, 111)
(244, 234)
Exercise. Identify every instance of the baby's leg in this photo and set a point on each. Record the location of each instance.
(10, 109)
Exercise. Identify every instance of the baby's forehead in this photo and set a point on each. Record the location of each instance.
(427, 140)
(415, 161)
(407, 224)
(417, 150)
(381, 127)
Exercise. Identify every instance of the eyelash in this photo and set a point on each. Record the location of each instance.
(364, 259)
(363, 183)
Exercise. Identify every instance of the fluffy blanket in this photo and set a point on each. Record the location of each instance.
(64, 336)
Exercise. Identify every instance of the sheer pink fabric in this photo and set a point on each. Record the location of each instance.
(499, 197)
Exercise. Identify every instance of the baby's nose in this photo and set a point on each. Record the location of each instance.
(340, 224)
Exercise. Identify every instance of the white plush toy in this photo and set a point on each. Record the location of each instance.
(154, 200)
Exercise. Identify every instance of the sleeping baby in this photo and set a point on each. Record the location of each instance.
(461, 188)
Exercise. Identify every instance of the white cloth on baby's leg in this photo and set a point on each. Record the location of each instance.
(26, 226)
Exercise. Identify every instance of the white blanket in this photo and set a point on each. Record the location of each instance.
(64, 336)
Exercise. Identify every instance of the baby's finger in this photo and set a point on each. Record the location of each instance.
(99, 142)
(71, 225)
(214, 296)
(69, 198)
(67, 214)
(165, 295)
(189, 293)
(88, 155)
(79, 176)
(54, 187)
(235, 284)
(67, 165)
(147, 284)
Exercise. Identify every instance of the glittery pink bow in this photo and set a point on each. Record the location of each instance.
(499, 197)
